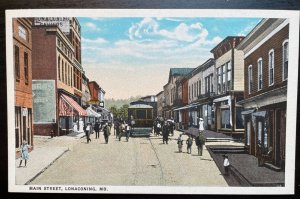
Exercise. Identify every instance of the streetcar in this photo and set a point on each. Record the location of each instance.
(140, 117)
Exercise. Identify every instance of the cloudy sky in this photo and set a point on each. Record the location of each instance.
(133, 56)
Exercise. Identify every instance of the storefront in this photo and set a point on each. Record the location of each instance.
(228, 117)
(70, 114)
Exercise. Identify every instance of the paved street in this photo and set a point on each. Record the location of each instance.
(141, 161)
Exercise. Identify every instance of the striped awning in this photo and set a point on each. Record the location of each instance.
(69, 107)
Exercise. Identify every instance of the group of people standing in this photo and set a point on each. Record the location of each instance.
(89, 128)
(123, 128)
(164, 127)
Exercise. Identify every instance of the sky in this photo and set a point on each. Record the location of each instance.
(132, 56)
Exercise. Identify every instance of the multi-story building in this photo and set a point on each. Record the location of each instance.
(200, 86)
(160, 103)
(22, 41)
(86, 96)
(57, 76)
(170, 90)
(266, 50)
(229, 64)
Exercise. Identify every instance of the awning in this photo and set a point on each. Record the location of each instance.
(222, 99)
(68, 107)
(187, 106)
(260, 114)
(246, 112)
(92, 113)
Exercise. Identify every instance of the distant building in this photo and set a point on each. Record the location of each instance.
(229, 64)
(160, 103)
(22, 41)
(170, 90)
(266, 50)
(148, 100)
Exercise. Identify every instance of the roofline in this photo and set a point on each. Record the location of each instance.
(227, 38)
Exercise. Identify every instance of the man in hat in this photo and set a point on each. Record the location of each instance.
(106, 132)
(165, 132)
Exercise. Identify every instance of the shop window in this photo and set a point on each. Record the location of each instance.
(239, 120)
(248, 133)
(225, 118)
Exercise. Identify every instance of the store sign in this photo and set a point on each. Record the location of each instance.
(62, 22)
(44, 102)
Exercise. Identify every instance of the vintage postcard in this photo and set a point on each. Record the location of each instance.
(152, 101)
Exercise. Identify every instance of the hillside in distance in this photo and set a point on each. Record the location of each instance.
(120, 102)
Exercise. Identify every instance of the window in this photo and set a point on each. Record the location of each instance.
(63, 71)
(189, 92)
(271, 67)
(195, 89)
(250, 79)
(228, 75)
(224, 78)
(199, 87)
(192, 91)
(248, 133)
(211, 83)
(259, 74)
(219, 80)
(26, 67)
(17, 63)
(285, 59)
(58, 65)
(66, 73)
(22, 32)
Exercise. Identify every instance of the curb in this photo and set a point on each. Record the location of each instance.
(44, 169)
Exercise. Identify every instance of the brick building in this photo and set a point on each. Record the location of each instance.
(230, 87)
(57, 75)
(266, 75)
(22, 41)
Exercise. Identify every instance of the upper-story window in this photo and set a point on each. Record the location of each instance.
(199, 87)
(219, 80)
(26, 67)
(228, 75)
(17, 62)
(250, 79)
(22, 32)
(259, 74)
(224, 78)
(58, 66)
(271, 67)
(208, 84)
(285, 59)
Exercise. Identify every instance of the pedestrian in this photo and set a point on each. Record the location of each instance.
(97, 128)
(226, 164)
(117, 128)
(200, 141)
(128, 129)
(180, 143)
(189, 143)
(106, 132)
(165, 132)
(87, 130)
(201, 125)
(172, 126)
(158, 128)
(24, 152)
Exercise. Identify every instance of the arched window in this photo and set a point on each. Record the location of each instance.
(285, 59)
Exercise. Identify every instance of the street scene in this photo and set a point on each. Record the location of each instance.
(150, 101)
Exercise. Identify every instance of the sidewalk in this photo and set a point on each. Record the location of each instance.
(46, 151)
